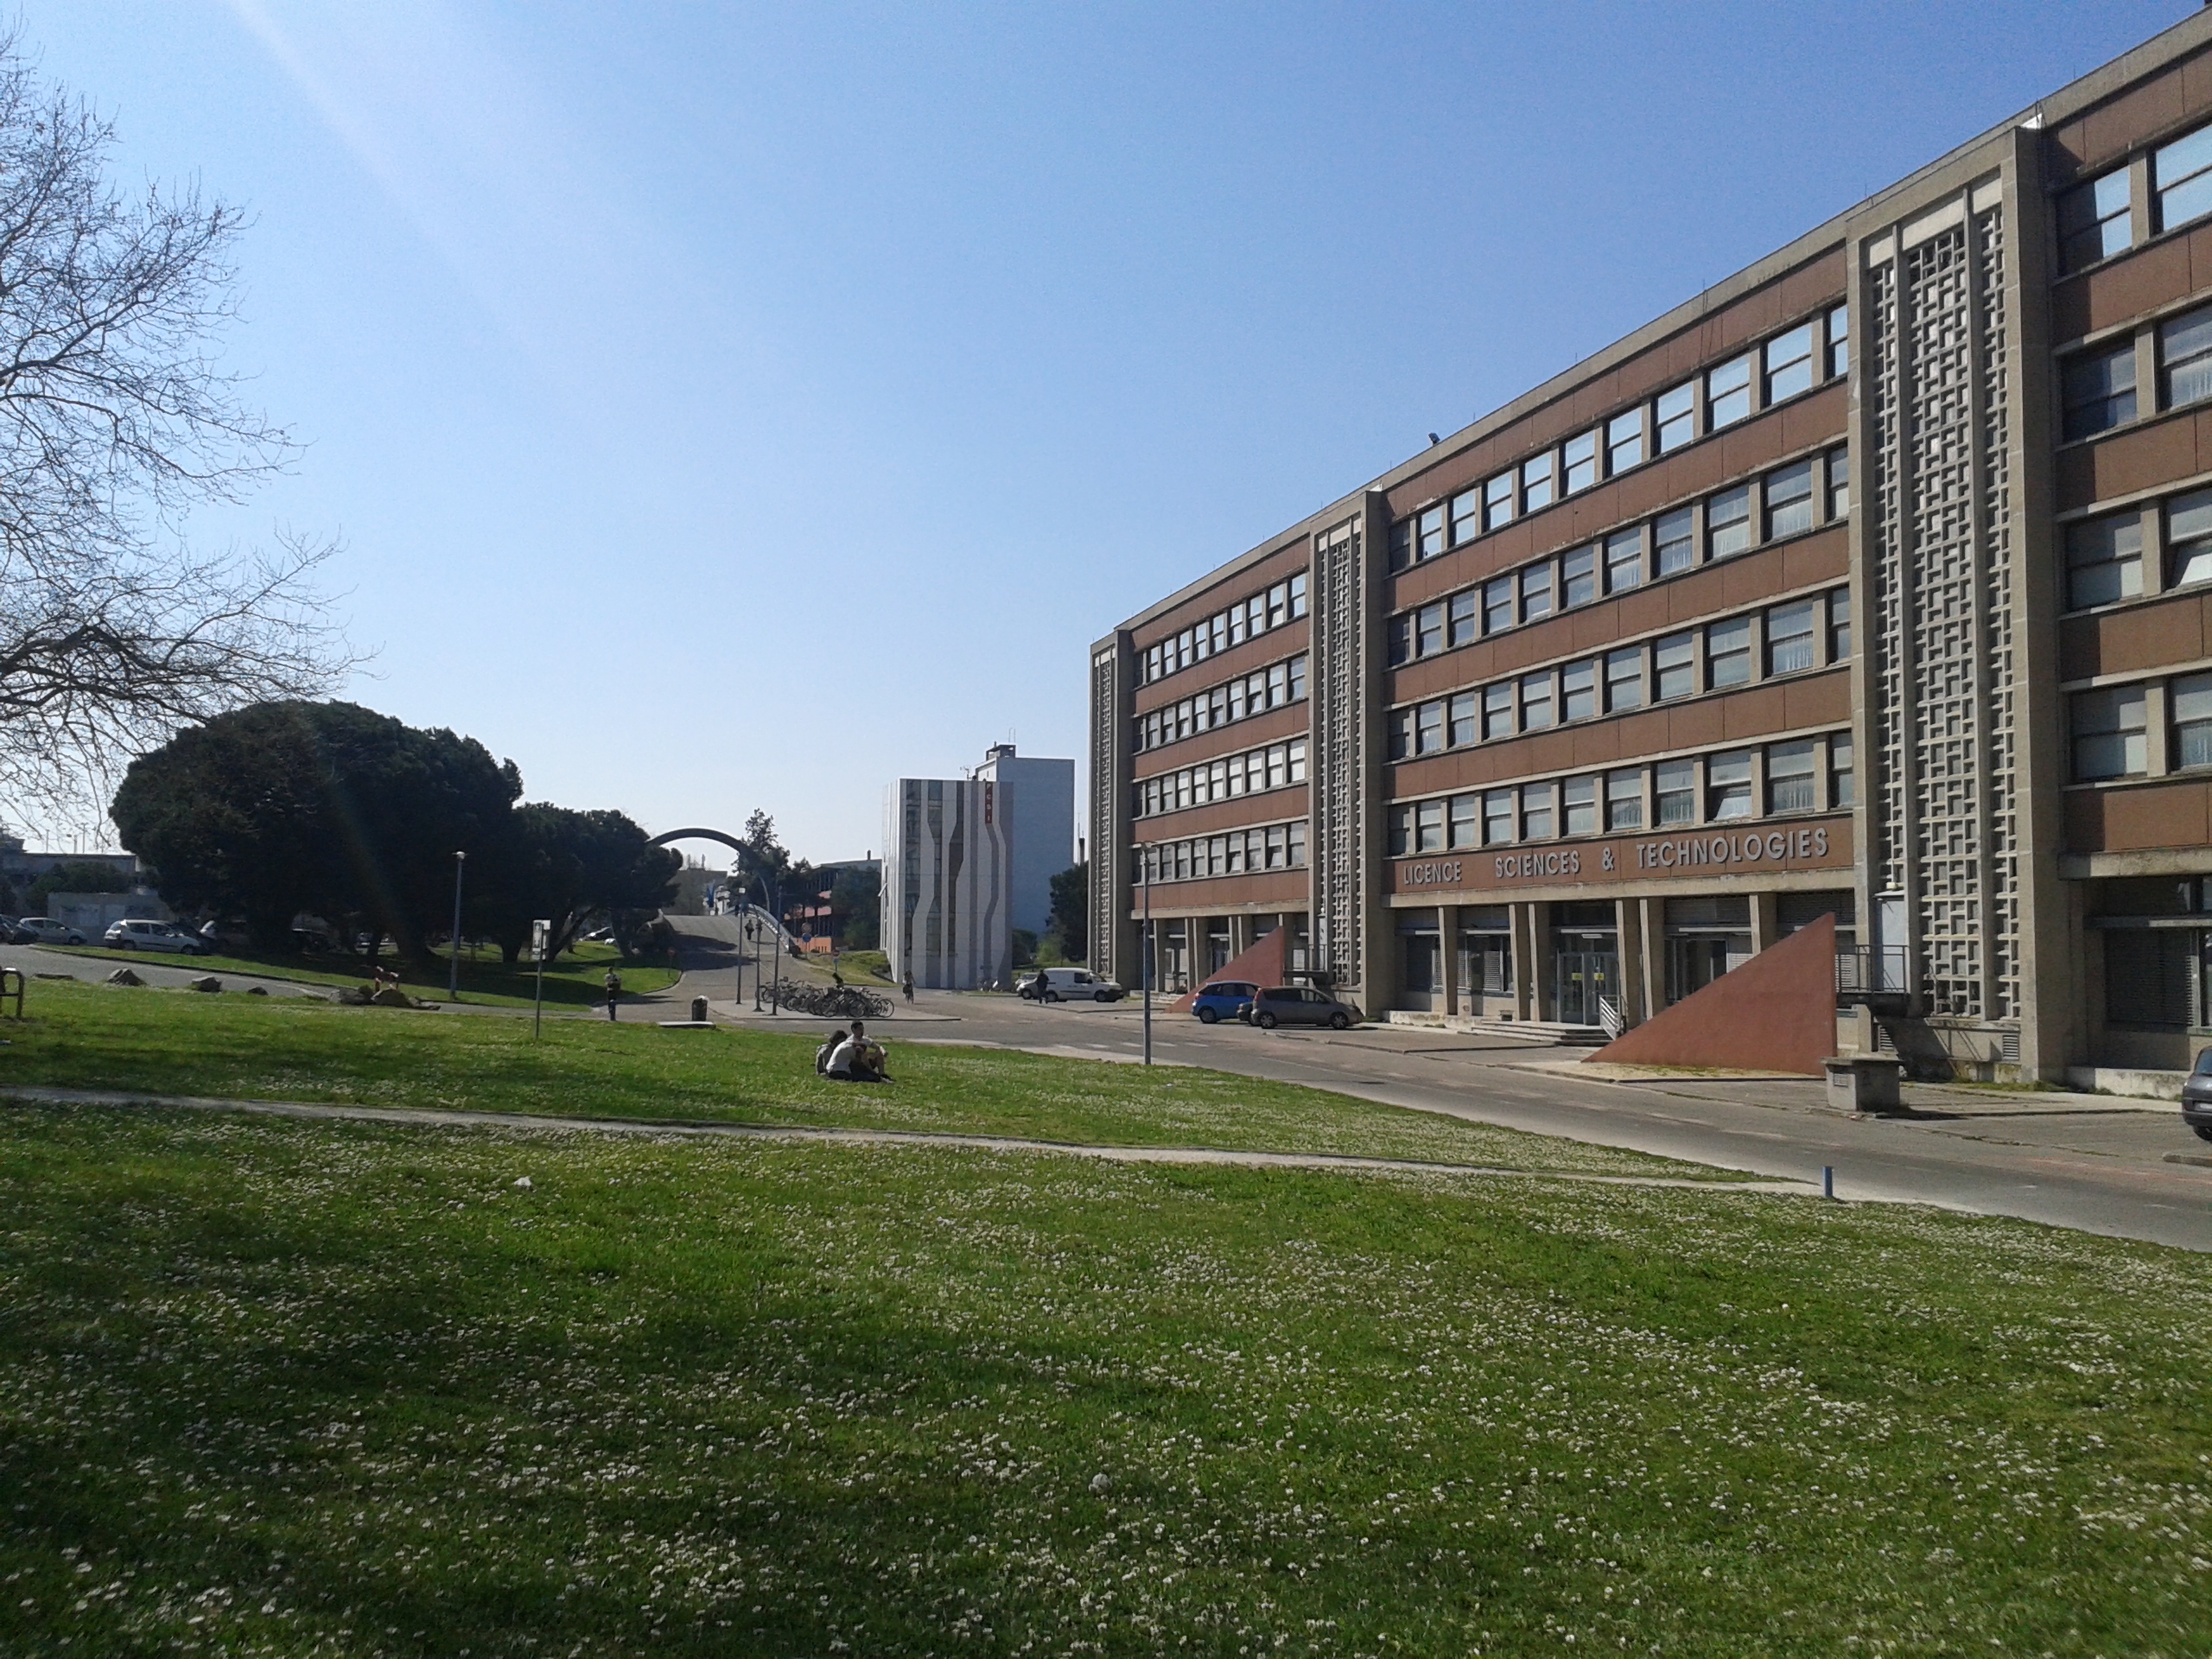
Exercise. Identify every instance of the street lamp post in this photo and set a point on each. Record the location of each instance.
(453, 982)
(1144, 955)
(752, 933)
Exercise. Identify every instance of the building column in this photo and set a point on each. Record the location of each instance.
(1240, 935)
(1766, 926)
(1628, 922)
(1543, 994)
(1651, 934)
(1447, 959)
(1524, 961)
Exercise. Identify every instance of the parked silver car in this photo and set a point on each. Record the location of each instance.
(131, 935)
(1300, 1005)
(44, 930)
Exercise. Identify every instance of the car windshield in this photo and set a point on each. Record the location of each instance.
(2204, 1063)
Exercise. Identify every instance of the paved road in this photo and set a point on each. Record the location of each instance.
(2084, 1161)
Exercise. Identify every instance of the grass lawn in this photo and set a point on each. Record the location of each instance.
(180, 1043)
(573, 980)
(283, 1388)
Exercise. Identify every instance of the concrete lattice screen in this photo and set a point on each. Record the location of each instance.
(1777, 1012)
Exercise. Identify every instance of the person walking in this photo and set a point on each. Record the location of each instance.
(908, 986)
(613, 991)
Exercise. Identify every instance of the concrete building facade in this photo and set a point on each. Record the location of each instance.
(1874, 582)
(1038, 798)
(946, 873)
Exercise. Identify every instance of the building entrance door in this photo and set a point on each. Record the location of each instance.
(1586, 978)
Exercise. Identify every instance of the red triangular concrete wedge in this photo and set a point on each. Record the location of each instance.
(1777, 1012)
(1263, 965)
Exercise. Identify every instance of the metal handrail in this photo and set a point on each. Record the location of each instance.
(1870, 970)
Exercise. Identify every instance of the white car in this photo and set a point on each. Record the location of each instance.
(44, 930)
(153, 936)
(1072, 985)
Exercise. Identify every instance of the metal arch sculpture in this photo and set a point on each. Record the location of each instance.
(728, 841)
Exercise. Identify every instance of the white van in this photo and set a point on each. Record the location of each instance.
(1070, 985)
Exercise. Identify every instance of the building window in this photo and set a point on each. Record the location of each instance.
(1467, 820)
(1676, 413)
(1428, 730)
(1428, 632)
(1402, 830)
(1789, 632)
(1466, 515)
(1536, 591)
(2094, 221)
(2098, 391)
(1497, 501)
(2190, 698)
(1728, 653)
(1536, 701)
(1728, 394)
(2110, 733)
(1839, 484)
(1677, 549)
(2146, 976)
(1839, 341)
(1466, 617)
(1401, 733)
(1676, 788)
(1623, 442)
(1297, 847)
(1430, 541)
(1497, 816)
(1839, 626)
(1536, 820)
(1466, 723)
(1624, 559)
(1675, 662)
(1624, 679)
(1728, 787)
(1428, 827)
(2185, 357)
(1790, 364)
(1578, 807)
(1841, 789)
(2182, 175)
(1497, 606)
(1789, 501)
(1625, 798)
(1578, 577)
(1578, 691)
(1789, 777)
(1401, 544)
(1728, 523)
(1399, 637)
(1536, 483)
(1580, 458)
(2104, 559)
(1497, 711)
(2189, 538)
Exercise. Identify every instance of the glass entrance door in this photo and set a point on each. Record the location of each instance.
(1585, 976)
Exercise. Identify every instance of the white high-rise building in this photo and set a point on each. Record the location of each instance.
(946, 873)
(1037, 797)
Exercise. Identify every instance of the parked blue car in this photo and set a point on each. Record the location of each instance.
(1224, 998)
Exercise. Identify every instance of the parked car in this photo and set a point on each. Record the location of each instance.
(44, 930)
(2196, 1097)
(1300, 1005)
(153, 936)
(1072, 985)
(1224, 998)
(14, 933)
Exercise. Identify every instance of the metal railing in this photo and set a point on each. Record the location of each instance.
(1869, 970)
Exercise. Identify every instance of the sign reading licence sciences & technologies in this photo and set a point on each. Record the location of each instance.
(1820, 844)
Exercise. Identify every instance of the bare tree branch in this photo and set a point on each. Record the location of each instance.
(116, 420)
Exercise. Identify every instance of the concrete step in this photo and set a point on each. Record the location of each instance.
(1531, 1031)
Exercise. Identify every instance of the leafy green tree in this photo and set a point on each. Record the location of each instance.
(1069, 927)
(75, 877)
(856, 894)
(327, 808)
(567, 867)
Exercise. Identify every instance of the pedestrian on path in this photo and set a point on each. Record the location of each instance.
(613, 991)
(908, 987)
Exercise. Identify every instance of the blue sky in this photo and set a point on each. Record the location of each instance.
(730, 407)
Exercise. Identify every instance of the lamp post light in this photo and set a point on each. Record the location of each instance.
(453, 980)
(1144, 955)
(752, 934)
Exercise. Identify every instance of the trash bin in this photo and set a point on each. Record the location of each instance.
(1864, 1083)
(699, 1013)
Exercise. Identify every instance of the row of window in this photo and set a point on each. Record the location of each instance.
(2104, 556)
(2097, 220)
(1272, 687)
(1811, 774)
(1781, 368)
(1788, 501)
(1247, 619)
(1276, 766)
(1240, 852)
(2097, 389)
(1788, 639)
(2112, 727)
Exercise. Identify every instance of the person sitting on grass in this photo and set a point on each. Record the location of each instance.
(821, 1055)
(855, 1059)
